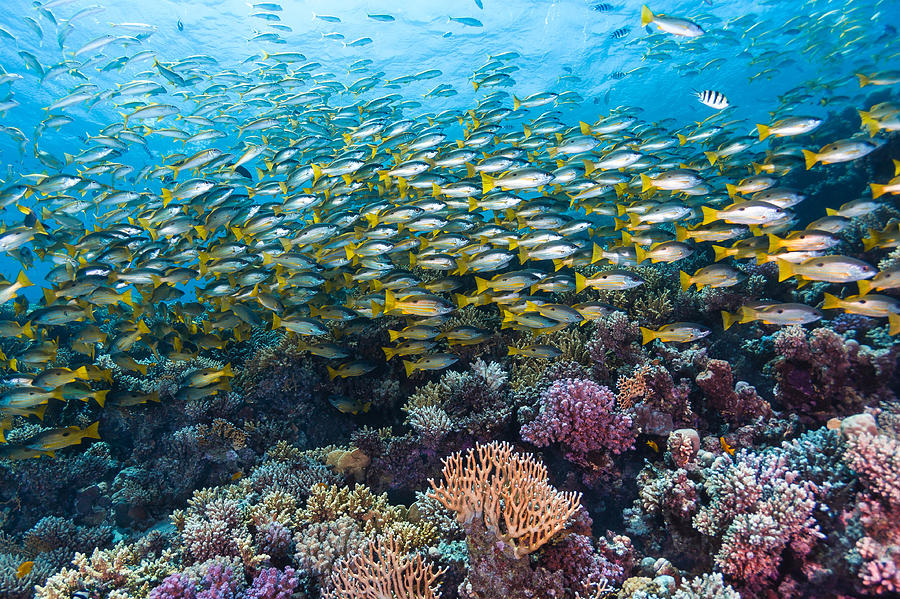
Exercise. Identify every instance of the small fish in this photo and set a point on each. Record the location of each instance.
(24, 569)
(547, 352)
(878, 306)
(673, 25)
(350, 369)
(430, 362)
(382, 18)
(653, 445)
(345, 405)
(619, 33)
(679, 332)
(725, 446)
(771, 313)
(64, 437)
(327, 18)
(469, 21)
(713, 99)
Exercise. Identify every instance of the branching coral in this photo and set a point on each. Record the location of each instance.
(381, 570)
(508, 493)
(758, 508)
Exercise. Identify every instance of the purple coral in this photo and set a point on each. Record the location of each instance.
(272, 583)
(580, 415)
(759, 508)
(175, 586)
(820, 373)
(736, 403)
(582, 567)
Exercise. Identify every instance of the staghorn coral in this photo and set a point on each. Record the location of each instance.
(706, 586)
(13, 586)
(123, 572)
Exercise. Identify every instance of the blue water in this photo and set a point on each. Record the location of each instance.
(747, 54)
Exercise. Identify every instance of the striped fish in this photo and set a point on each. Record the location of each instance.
(713, 99)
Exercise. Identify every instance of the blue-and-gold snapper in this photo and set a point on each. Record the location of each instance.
(205, 199)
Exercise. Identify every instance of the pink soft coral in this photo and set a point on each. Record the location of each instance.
(579, 414)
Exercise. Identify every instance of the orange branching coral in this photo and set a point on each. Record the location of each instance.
(632, 387)
(382, 571)
(500, 486)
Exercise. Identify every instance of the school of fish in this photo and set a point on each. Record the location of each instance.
(295, 202)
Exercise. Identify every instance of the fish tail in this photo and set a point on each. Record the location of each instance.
(580, 282)
(647, 335)
(709, 215)
(516, 103)
(388, 353)
(893, 323)
(871, 241)
(877, 190)
(863, 80)
(811, 158)
(685, 280)
(728, 319)
(832, 302)
(786, 270)
(640, 252)
(92, 431)
(864, 286)
(764, 131)
(409, 367)
(720, 252)
(646, 16)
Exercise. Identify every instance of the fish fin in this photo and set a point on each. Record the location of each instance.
(893, 323)
(646, 16)
(647, 335)
(864, 286)
(580, 282)
(786, 269)
(832, 302)
(720, 252)
(810, 158)
(709, 215)
(409, 366)
(685, 280)
(728, 319)
(764, 131)
(877, 190)
(640, 252)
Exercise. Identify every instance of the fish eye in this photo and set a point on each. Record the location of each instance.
(780, 311)
(820, 264)
(862, 301)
